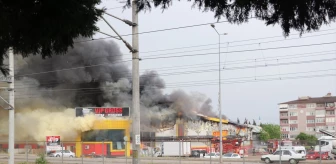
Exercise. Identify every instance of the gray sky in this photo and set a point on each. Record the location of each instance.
(250, 99)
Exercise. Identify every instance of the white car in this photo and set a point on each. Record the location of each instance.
(212, 155)
(66, 153)
(286, 155)
(231, 155)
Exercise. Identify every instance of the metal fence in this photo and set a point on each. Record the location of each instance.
(152, 152)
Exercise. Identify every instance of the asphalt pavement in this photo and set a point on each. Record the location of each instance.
(144, 160)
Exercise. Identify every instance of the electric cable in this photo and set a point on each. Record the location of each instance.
(178, 56)
(231, 82)
(190, 82)
(227, 68)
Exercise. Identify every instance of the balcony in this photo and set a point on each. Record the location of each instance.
(284, 123)
(329, 108)
(284, 116)
(283, 109)
(330, 113)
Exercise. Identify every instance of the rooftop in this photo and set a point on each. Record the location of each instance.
(318, 100)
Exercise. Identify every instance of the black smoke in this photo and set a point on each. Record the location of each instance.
(97, 74)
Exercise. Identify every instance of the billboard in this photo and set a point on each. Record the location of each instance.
(53, 141)
(103, 111)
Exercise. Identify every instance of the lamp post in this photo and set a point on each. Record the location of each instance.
(219, 96)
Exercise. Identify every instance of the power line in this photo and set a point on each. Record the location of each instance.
(154, 31)
(54, 82)
(249, 50)
(245, 40)
(229, 46)
(232, 68)
(73, 68)
(234, 45)
(113, 8)
(233, 62)
(260, 80)
(94, 90)
(177, 56)
(214, 70)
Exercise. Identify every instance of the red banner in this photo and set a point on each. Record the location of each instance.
(53, 140)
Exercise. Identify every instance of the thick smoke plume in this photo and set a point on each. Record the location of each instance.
(91, 74)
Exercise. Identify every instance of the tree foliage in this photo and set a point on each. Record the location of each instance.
(270, 131)
(300, 15)
(45, 27)
(310, 139)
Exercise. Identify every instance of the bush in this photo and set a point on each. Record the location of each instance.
(41, 159)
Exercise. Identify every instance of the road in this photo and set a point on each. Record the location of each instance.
(53, 160)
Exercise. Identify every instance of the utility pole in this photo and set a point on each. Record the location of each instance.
(11, 110)
(135, 86)
(136, 139)
(219, 96)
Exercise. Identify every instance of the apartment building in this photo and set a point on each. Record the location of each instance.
(308, 115)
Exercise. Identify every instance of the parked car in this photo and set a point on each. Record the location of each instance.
(231, 155)
(65, 153)
(286, 156)
(212, 155)
(314, 155)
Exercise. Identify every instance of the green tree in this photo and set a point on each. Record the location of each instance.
(264, 136)
(45, 27)
(309, 139)
(270, 131)
(301, 15)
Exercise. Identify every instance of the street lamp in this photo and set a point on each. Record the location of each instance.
(219, 96)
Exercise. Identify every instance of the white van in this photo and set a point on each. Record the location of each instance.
(296, 149)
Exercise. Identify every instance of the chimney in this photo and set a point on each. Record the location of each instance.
(328, 95)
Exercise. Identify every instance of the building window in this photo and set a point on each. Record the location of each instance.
(284, 135)
(293, 121)
(114, 135)
(320, 112)
(310, 113)
(284, 121)
(330, 113)
(285, 129)
(293, 113)
(310, 121)
(311, 106)
(293, 136)
(320, 105)
(292, 106)
(320, 120)
(309, 129)
(330, 120)
(282, 114)
(293, 128)
(330, 127)
(330, 104)
(320, 127)
(283, 106)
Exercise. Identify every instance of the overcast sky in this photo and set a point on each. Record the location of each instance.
(246, 95)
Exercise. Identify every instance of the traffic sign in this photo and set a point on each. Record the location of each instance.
(137, 139)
